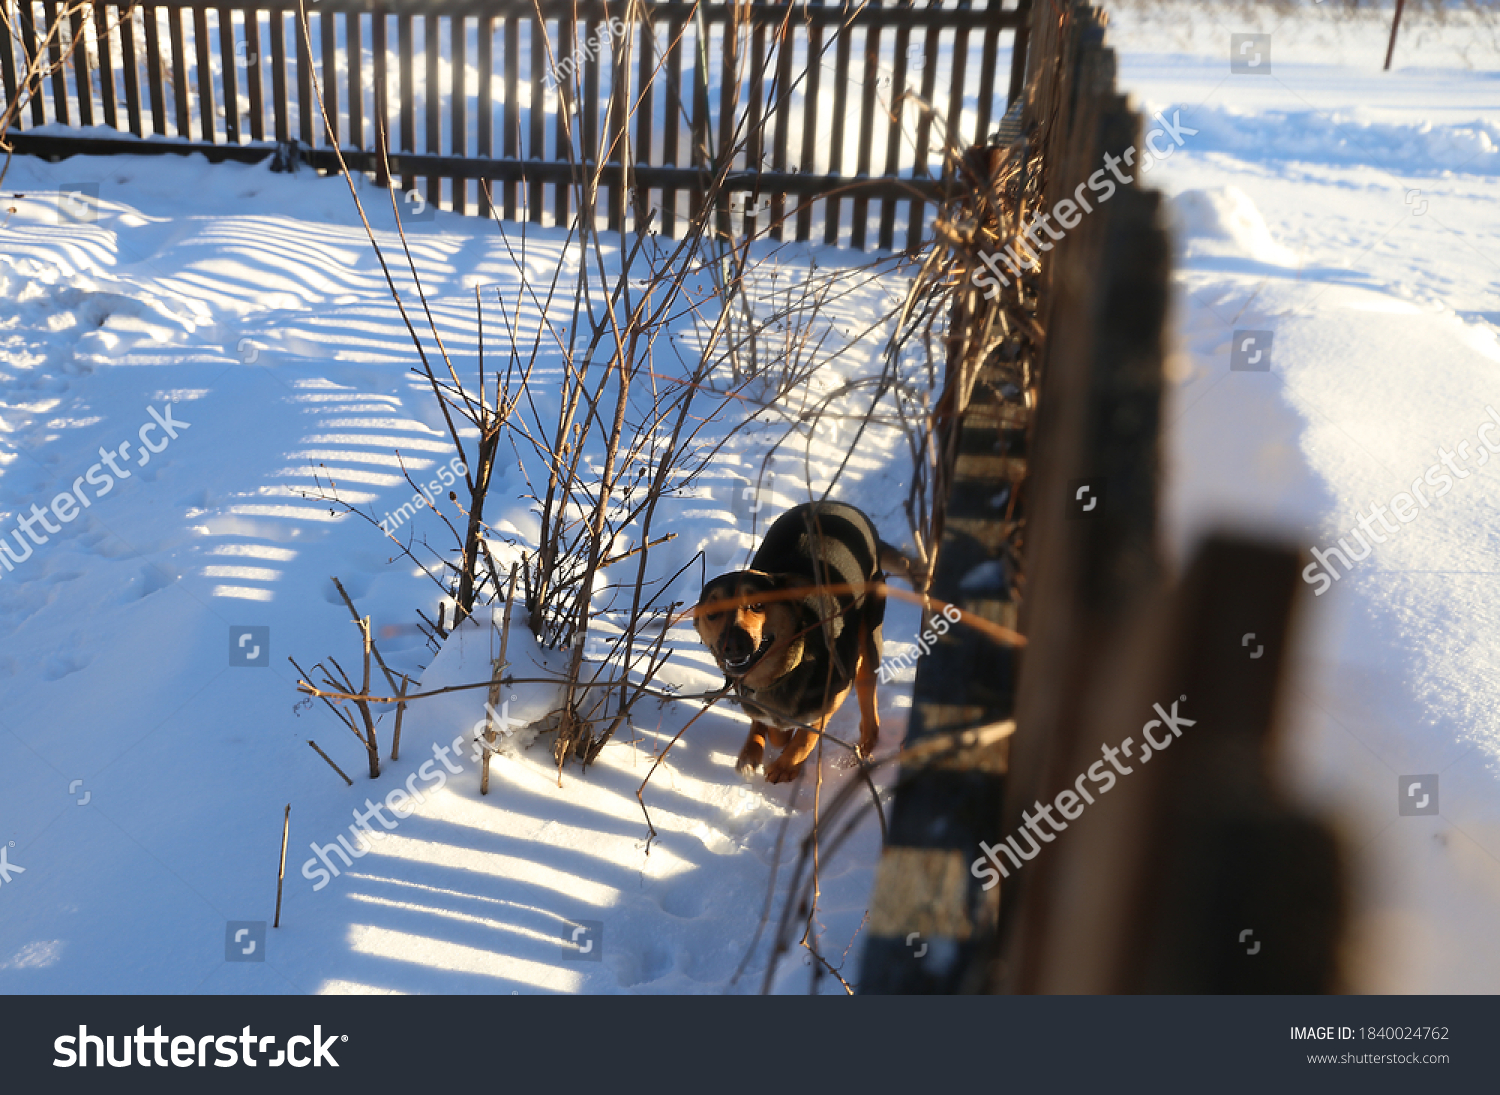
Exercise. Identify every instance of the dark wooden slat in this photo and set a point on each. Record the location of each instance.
(103, 33)
(953, 136)
(125, 17)
(254, 63)
(485, 107)
(536, 115)
(588, 118)
(208, 128)
(229, 62)
(861, 208)
(729, 99)
(644, 107)
(330, 79)
(617, 138)
(81, 76)
(1019, 51)
(565, 107)
(307, 107)
(355, 58)
(432, 101)
(671, 124)
(155, 72)
(810, 122)
(60, 109)
(381, 122)
(29, 47)
(924, 134)
(548, 172)
(180, 91)
(783, 103)
(279, 106)
(512, 140)
(407, 80)
(831, 225)
(9, 78)
(987, 63)
(894, 138)
(699, 134)
(458, 116)
(755, 126)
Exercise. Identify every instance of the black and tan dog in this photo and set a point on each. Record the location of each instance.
(792, 656)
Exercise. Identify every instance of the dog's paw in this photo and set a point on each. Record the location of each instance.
(780, 772)
(747, 768)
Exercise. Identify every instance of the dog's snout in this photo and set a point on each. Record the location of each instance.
(738, 644)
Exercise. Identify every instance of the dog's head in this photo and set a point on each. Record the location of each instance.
(751, 626)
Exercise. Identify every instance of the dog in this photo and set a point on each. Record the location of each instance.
(800, 628)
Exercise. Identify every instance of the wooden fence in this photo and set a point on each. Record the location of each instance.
(819, 109)
(1192, 874)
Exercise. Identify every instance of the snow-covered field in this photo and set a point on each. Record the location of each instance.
(246, 308)
(143, 777)
(1354, 214)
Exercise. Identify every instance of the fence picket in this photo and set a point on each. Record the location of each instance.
(754, 83)
(381, 121)
(406, 77)
(511, 149)
(60, 109)
(207, 127)
(125, 17)
(458, 102)
(354, 51)
(536, 116)
(253, 65)
(485, 104)
(82, 79)
(227, 56)
(432, 101)
(306, 107)
(102, 34)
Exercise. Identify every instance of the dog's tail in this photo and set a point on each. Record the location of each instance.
(898, 564)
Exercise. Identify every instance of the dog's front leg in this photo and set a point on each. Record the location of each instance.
(788, 766)
(869, 712)
(753, 751)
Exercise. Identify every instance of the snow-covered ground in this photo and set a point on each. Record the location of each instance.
(1354, 214)
(143, 777)
(143, 774)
